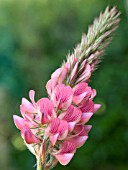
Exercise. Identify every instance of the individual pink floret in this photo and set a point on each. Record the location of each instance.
(80, 135)
(45, 110)
(72, 116)
(28, 136)
(57, 130)
(62, 96)
(81, 92)
(66, 153)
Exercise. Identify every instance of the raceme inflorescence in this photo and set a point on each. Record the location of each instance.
(54, 127)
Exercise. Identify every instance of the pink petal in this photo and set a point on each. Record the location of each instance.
(59, 126)
(67, 147)
(27, 106)
(81, 135)
(63, 129)
(87, 72)
(78, 140)
(19, 122)
(78, 99)
(63, 134)
(96, 107)
(62, 96)
(46, 110)
(93, 93)
(71, 126)
(84, 77)
(73, 114)
(54, 125)
(85, 117)
(32, 95)
(53, 138)
(56, 73)
(73, 72)
(81, 91)
(80, 88)
(87, 106)
(51, 85)
(45, 118)
(28, 136)
(60, 73)
(64, 159)
(88, 128)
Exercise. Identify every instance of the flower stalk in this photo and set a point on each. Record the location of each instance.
(39, 167)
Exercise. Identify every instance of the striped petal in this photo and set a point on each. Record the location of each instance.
(72, 116)
(46, 109)
(28, 136)
(62, 96)
(81, 135)
(66, 153)
(58, 129)
(81, 92)
(87, 106)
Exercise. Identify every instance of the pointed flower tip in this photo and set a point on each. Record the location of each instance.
(64, 159)
(32, 95)
(97, 107)
(19, 122)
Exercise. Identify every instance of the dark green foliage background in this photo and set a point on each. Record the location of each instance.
(35, 36)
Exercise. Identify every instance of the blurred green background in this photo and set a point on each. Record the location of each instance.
(35, 36)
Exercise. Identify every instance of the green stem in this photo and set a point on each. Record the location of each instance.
(39, 167)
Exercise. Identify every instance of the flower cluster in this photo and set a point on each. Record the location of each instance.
(59, 120)
(54, 127)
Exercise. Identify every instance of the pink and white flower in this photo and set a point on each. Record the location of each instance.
(66, 152)
(62, 96)
(57, 130)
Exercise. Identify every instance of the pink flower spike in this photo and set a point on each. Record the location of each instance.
(28, 136)
(62, 96)
(66, 153)
(19, 122)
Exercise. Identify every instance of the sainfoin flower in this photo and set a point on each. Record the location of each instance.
(59, 120)
(54, 128)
